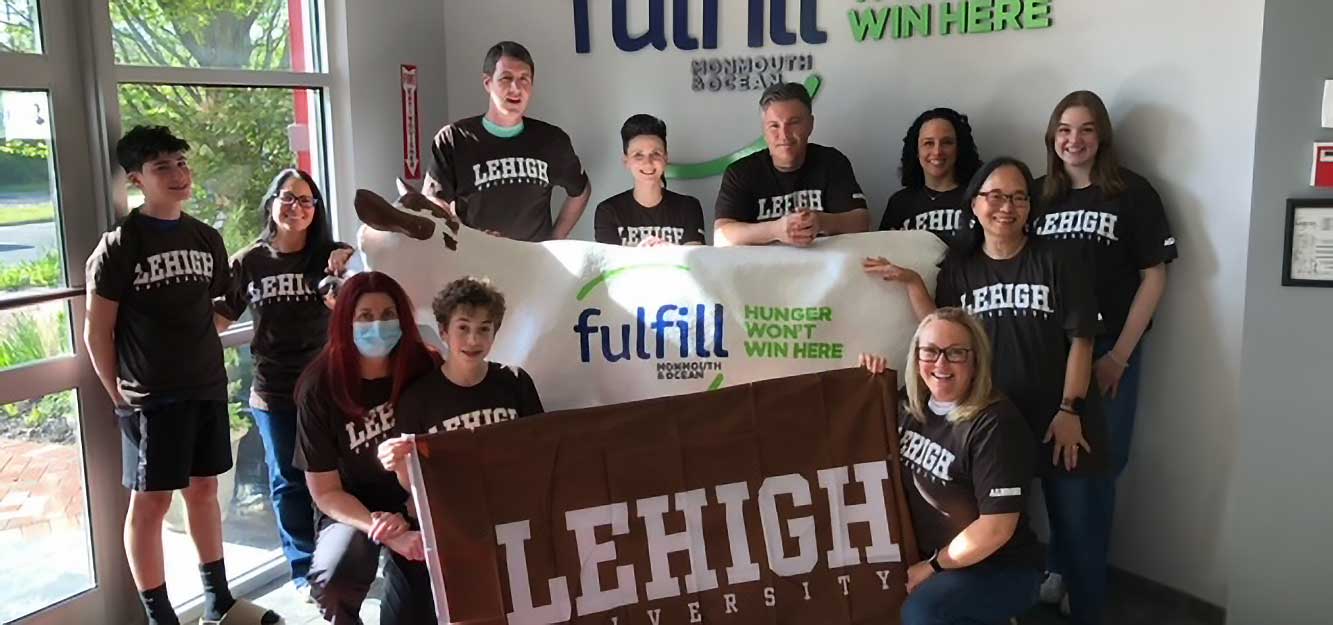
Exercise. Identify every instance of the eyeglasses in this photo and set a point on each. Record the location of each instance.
(997, 198)
(306, 201)
(930, 353)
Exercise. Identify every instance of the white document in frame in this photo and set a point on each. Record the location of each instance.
(1328, 103)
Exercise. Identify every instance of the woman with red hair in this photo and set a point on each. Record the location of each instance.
(345, 407)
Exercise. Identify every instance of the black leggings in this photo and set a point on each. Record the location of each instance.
(343, 569)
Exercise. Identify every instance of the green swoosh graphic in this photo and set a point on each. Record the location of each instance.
(717, 383)
(607, 276)
(715, 167)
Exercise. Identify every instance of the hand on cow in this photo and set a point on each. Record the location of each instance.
(653, 242)
(798, 228)
(874, 363)
(409, 545)
(881, 268)
(338, 259)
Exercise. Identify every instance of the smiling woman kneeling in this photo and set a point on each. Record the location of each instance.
(969, 455)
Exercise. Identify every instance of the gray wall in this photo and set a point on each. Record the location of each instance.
(380, 37)
(1282, 508)
(1183, 97)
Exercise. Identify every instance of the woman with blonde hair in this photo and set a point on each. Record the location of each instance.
(1036, 301)
(970, 456)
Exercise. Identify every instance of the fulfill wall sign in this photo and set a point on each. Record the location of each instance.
(770, 22)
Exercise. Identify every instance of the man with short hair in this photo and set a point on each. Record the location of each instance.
(496, 171)
(795, 190)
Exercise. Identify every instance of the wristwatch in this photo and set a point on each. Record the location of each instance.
(1073, 405)
(934, 561)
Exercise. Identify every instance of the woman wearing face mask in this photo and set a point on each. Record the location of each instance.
(1115, 217)
(939, 157)
(345, 404)
(1039, 310)
(969, 455)
(277, 277)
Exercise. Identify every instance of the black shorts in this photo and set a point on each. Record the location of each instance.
(163, 446)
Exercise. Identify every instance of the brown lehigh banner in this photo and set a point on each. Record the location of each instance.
(774, 502)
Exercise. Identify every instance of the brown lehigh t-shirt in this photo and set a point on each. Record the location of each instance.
(1122, 235)
(942, 213)
(622, 220)
(290, 318)
(329, 440)
(754, 190)
(1032, 306)
(433, 403)
(957, 471)
(503, 184)
(164, 274)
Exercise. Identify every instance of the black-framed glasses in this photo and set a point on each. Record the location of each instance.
(930, 353)
(997, 198)
(306, 201)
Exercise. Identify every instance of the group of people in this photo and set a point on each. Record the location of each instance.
(1025, 364)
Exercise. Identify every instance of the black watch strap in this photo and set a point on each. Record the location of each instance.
(935, 562)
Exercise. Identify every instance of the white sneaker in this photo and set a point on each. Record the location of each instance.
(304, 593)
(1052, 589)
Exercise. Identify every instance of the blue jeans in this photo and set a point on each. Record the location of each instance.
(1081, 509)
(984, 594)
(292, 506)
(1121, 409)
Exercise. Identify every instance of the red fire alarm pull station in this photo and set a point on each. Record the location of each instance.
(1321, 174)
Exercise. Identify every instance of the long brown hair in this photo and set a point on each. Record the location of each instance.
(1105, 166)
(338, 365)
(982, 393)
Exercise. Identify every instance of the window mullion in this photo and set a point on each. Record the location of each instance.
(220, 77)
(24, 71)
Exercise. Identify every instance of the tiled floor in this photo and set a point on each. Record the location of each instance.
(282, 598)
(1133, 601)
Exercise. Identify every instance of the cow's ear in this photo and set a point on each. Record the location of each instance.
(377, 213)
(405, 187)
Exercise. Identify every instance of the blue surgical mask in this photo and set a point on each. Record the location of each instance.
(375, 339)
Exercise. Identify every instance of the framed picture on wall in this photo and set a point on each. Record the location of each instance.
(1307, 252)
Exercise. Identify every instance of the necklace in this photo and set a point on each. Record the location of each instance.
(935, 195)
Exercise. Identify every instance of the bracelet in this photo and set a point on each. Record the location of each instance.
(1070, 410)
(1111, 355)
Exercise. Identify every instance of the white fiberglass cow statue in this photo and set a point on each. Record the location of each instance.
(598, 324)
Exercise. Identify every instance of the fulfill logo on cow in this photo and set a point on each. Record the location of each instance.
(647, 340)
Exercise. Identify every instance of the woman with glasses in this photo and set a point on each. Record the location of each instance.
(277, 277)
(969, 455)
(1115, 217)
(1038, 308)
(939, 157)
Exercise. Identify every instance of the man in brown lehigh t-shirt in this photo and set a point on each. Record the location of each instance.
(496, 171)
